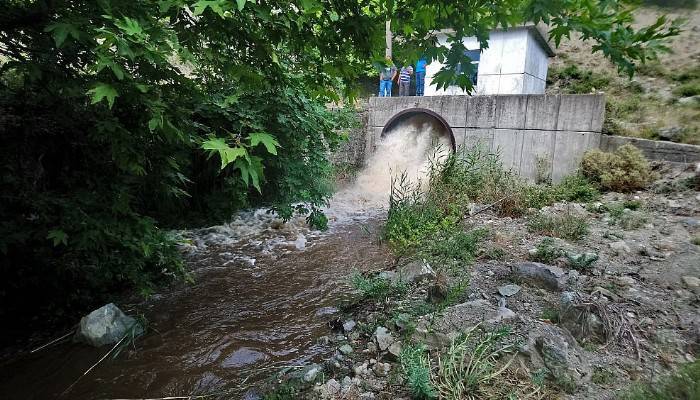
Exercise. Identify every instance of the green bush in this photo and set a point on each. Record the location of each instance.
(687, 89)
(415, 366)
(458, 245)
(546, 251)
(581, 262)
(564, 226)
(626, 169)
(453, 184)
(576, 188)
(576, 81)
(375, 287)
(684, 384)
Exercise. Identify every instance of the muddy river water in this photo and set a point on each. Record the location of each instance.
(262, 295)
(242, 319)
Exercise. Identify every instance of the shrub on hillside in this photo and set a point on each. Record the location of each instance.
(626, 169)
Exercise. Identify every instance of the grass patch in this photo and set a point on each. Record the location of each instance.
(629, 214)
(684, 384)
(687, 89)
(551, 315)
(602, 376)
(565, 226)
(546, 251)
(376, 287)
(695, 240)
(581, 262)
(470, 364)
(457, 246)
(573, 80)
(495, 253)
(415, 366)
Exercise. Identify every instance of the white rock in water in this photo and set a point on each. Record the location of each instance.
(106, 325)
(300, 243)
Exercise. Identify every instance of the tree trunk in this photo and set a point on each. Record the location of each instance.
(387, 52)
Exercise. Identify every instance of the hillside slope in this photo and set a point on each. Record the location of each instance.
(662, 101)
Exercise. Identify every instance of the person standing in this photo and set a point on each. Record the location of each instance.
(387, 74)
(405, 80)
(420, 76)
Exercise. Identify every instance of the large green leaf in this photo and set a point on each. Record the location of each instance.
(129, 26)
(269, 141)
(103, 91)
(60, 31)
(227, 153)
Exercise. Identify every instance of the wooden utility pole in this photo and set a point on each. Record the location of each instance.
(387, 52)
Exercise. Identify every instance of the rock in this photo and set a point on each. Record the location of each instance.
(332, 388)
(690, 100)
(674, 204)
(605, 292)
(345, 349)
(554, 348)
(345, 386)
(381, 369)
(326, 311)
(508, 290)
(388, 275)
(438, 291)
(549, 276)
(461, 318)
(367, 396)
(691, 282)
(673, 133)
(620, 247)
(312, 373)
(361, 370)
(348, 326)
(106, 325)
(252, 394)
(383, 338)
(395, 350)
(371, 347)
(415, 272)
(625, 281)
(502, 314)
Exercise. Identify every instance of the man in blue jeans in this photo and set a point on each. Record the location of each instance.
(387, 74)
(420, 76)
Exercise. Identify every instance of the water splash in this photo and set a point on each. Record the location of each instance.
(405, 149)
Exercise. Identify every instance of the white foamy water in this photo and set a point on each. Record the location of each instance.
(407, 148)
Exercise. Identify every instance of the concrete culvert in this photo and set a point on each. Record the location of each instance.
(422, 120)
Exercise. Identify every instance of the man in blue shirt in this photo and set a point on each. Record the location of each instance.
(420, 76)
(387, 74)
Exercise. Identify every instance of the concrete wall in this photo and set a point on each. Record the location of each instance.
(514, 63)
(655, 149)
(556, 129)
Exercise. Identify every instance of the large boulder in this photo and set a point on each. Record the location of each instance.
(548, 276)
(554, 348)
(415, 272)
(383, 338)
(106, 325)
